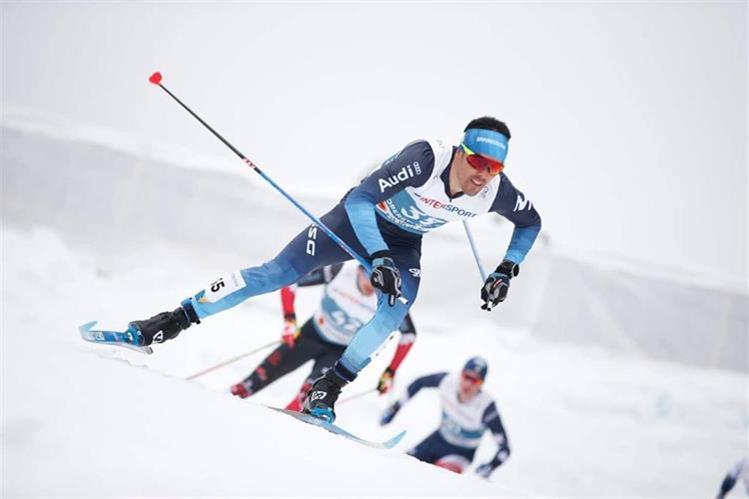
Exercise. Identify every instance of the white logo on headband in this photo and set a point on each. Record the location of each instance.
(491, 141)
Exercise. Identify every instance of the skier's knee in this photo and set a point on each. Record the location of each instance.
(390, 318)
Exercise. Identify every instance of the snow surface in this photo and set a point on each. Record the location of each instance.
(89, 421)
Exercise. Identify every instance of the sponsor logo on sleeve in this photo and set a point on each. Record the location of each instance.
(522, 203)
(404, 174)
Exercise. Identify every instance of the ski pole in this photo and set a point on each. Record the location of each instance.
(352, 397)
(474, 250)
(476, 256)
(156, 80)
(233, 359)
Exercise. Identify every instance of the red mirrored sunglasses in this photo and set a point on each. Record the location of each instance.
(471, 378)
(482, 163)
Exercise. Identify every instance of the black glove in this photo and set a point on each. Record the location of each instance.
(385, 276)
(497, 284)
(485, 470)
(390, 413)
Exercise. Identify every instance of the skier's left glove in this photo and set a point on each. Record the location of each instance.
(386, 381)
(485, 470)
(497, 284)
(390, 413)
(290, 331)
(385, 276)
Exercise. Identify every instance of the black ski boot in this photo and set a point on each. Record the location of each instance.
(321, 399)
(164, 326)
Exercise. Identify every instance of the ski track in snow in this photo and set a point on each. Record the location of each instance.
(85, 420)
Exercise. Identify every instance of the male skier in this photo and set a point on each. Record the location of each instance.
(466, 413)
(424, 186)
(348, 301)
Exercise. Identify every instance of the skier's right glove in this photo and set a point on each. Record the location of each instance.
(290, 331)
(497, 284)
(386, 381)
(385, 276)
(390, 413)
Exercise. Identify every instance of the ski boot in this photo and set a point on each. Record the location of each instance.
(325, 390)
(163, 326)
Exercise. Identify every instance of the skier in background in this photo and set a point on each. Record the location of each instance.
(466, 413)
(348, 301)
(739, 471)
(424, 186)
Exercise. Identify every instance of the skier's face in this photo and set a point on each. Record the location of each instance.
(469, 386)
(365, 286)
(470, 180)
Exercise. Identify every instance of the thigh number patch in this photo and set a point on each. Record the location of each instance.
(223, 286)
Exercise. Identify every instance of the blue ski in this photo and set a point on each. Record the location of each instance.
(126, 339)
(309, 419)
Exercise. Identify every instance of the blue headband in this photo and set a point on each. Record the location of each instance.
(486, 142)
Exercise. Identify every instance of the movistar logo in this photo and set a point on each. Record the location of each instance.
(522, 203)
(404, 174)
(491, 141)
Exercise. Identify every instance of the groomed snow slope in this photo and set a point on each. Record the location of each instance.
(83, 420)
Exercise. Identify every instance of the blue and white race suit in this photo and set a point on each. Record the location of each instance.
(462, 426)
(390, 210)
